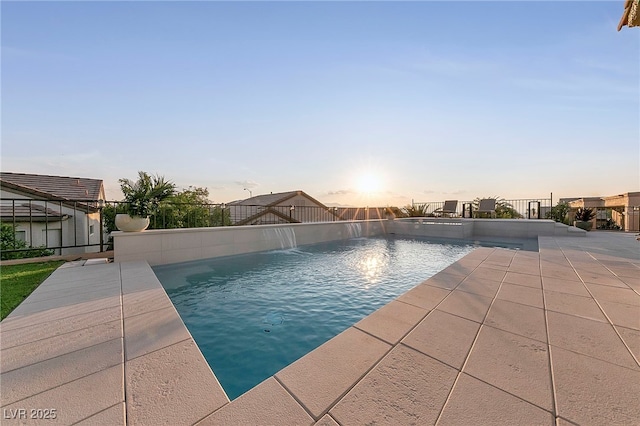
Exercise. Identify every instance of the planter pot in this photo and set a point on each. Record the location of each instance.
(583, 225)
(127, 223)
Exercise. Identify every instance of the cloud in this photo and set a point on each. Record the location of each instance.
(249, 184)
(341, 192)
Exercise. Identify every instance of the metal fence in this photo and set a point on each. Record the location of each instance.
(32, 227)
(528, 208)
(77, 226)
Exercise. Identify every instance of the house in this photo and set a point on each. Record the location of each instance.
(57, 212)
(282, 207)
(612, 212)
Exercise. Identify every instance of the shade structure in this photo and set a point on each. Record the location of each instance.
(630, 14)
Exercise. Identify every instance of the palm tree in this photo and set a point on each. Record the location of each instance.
(415, 210)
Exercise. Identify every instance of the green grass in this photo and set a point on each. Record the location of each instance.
(18, 281)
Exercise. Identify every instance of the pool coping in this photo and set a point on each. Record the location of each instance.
(118, 352)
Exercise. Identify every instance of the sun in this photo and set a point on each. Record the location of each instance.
(368, 183)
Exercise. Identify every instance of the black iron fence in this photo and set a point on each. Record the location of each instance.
(39, 227)
(535, 208)
(75, 226)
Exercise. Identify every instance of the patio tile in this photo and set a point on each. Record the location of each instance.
(520, 319)
(479, 254)
(520, 294)
(592, 338)
(139, 302)
(490, 274)
(39, 377)
(443, 336)
(151, 331)
(623, 269)
(563, 273)
(622, 314)
(614, 294)
(571, 304)
(32, 333)
(632, 339)
(324, 375)
(633, 283)
(75, 287)
(462, 267)
(424, 296)
(34, 352)
(606, 278)
(565, 286)
(76, 400)
(524, 268)
(391, 322)
(523, 279)
(17, 320)
(138, 276)
(326, 420)
(445, 280)
(500, 258)
(467, 305)
(590, 391)
(96, 296)
(110, 417)
(266, 404)
(481, 286)
(175, 376)
(407, 387)
(474, 402)
(515, 364)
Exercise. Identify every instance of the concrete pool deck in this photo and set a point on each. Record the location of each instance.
(499, 337)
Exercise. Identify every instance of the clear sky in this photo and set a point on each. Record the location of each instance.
(355, 103)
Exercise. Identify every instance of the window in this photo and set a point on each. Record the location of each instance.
(91, 229)
(21, 235)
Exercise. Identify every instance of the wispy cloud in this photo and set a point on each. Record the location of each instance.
(249, 184)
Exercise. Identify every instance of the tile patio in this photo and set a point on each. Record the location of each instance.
(500, 337)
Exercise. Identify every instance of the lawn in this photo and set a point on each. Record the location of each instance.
(18, 281)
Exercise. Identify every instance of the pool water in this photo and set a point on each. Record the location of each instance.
(251, 315)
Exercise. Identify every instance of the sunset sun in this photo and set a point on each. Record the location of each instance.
(368, 183)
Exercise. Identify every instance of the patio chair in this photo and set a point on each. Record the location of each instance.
(448, 208)
(487, 205)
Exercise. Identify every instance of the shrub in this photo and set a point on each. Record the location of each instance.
(8, 243)
(585, 214)
(559, 213)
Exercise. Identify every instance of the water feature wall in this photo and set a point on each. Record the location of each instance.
(285, 236)
(163, 246)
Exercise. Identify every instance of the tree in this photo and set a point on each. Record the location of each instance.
(559, 213)
(415, 210)
(144, 195)
(190, 208)
(9, 242)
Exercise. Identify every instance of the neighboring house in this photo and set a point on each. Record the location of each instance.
(622, 210)
(57, 212)
(282, 207)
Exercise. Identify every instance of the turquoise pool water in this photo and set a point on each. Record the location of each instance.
(251, 315)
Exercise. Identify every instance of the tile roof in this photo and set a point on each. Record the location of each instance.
(268, 199)
(59, 187)
(34, 212)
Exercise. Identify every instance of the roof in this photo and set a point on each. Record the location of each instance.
(630, 15)
(32, 212)
(53, 187)
(269, 200)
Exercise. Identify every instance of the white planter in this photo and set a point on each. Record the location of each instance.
(127, 223)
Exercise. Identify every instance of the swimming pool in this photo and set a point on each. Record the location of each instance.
(251, 315)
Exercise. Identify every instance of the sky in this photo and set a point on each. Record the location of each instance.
(355, 103)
